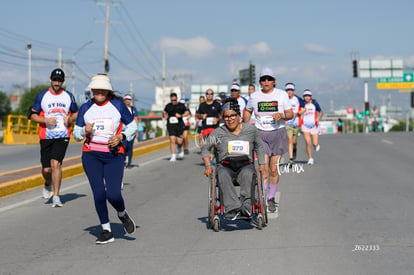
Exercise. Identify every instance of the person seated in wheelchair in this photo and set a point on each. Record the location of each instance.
(235, 144)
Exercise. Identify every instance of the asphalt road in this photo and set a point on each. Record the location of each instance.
(350, 213)
(13, 157)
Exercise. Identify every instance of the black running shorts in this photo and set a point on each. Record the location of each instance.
(52, 149)
(176, 130)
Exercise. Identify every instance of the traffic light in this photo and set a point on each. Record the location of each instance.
(355, 68)
(412, 99)
(367, 110)
(106, 66)
(252, 74)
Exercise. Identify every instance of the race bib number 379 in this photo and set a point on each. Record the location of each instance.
(239, 147)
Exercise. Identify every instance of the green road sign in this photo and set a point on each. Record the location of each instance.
(407, 77)
(405, 82)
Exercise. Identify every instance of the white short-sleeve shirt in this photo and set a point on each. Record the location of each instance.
(264, 105)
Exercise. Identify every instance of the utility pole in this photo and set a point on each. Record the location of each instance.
(163, 93)
(108, 5)
(60, 58)
(131, 93)
(182, 82)
(29, 49)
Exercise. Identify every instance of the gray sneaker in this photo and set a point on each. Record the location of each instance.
(56, 202)
(47, 191)
(272, 205)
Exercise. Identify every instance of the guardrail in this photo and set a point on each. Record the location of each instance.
(20, 130)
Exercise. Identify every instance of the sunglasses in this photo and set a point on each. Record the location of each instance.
(268, 78)
(233, 116)
(209, 93)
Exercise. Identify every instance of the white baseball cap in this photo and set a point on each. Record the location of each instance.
(307, 92)
(290, 86)
(100, 81)
(267, 72)
(235, 86)
(128, 97)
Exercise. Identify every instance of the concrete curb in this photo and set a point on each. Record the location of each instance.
(15, 186)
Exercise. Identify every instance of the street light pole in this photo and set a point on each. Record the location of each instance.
(73, 65)
(29, 48)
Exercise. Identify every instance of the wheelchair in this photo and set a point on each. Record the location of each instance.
(216, 207)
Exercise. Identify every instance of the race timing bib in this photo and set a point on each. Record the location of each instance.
(210, 121)
(238, 147)
(267, 122)
(103, 128)
(173, 120)
(59, 126)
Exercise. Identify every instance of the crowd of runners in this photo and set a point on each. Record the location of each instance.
(269, 118)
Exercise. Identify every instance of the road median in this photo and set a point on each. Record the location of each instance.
(28, 178)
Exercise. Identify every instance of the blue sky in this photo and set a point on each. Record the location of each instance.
(306, 42)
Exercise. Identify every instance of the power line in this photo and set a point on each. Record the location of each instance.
(133, 70)
(143, 42)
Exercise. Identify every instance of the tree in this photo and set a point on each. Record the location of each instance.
(28, 99)
(5, 106)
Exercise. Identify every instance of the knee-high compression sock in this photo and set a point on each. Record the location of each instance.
(272, 191)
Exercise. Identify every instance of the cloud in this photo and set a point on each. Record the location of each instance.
(318, 49)
(258, 49)
(261, 48)
(197, 47)
(409, 61)
(237, 49)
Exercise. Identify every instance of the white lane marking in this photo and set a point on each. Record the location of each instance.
(387, 141)
(64, 189)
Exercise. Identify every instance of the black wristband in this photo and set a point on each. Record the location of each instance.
(123, 136)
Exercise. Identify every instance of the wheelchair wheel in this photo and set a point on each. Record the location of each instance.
(213, 219)
(216, 224)
(211, 199)
(260, 222)
(209, 204)
(262, 216)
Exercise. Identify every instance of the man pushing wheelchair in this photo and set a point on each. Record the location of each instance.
(235, 146)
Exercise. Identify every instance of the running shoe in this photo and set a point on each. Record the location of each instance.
(173, 158)
(180, 155)
(291, 162)
(186, 152)
(56, 202)
(271, 205)
(105, 237)
(47, 191)
(317, 148)
(310, 161)
(129, 223)
(232, 214)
